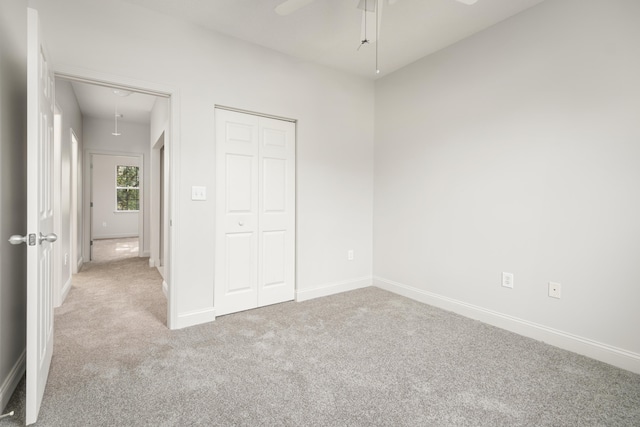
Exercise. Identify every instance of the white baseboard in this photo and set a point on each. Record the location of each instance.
(80, 263)
(145, 254)
(605, 353)
(333, 288)
(10, 383)
(195, 318)
(114, 236)
(165, 289)
(152, 263)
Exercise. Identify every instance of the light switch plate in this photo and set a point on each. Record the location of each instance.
(507, 280)
(198, 193)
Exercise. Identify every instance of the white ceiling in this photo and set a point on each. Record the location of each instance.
(326, 32)
(100, 102)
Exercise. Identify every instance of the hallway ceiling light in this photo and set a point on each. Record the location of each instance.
(122, 92)
(118, 116)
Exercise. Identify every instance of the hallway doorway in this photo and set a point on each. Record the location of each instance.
(116, 200)
(112, 114)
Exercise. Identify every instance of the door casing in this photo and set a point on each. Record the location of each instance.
(172, 143)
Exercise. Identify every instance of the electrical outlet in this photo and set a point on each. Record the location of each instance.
(507, 280)
(350, 254)
(104, 224)
(554, 290)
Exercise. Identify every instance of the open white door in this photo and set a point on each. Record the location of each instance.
(40, 106)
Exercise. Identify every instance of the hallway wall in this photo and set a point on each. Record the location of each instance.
(71, 122)
(159, 130)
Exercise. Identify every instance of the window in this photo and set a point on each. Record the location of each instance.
(127, 188)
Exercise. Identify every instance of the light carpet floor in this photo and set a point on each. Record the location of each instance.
(362, 358)
(105, 250)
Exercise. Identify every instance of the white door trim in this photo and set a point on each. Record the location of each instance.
(172, 142)
(74, 201)
(57, 205)
(255, 113)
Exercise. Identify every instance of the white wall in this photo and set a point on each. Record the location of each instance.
(159, 120)
(159, 127)
(134, 139)
(334, 134)
(107, 223)
(71, 122)
(518, 150)
(13, 185)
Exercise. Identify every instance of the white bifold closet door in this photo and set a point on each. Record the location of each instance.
(255, 211)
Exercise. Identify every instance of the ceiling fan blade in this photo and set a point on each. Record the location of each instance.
(290, 6)
(467, 2)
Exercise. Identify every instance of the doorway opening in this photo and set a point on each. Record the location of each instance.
(116, 202)
(98, 140)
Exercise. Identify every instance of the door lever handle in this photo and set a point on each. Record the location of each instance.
(51, 237)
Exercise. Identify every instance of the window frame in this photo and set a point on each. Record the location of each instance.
(117, 187)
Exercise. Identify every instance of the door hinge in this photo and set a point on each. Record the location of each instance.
(91, 243)
(91, 204)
